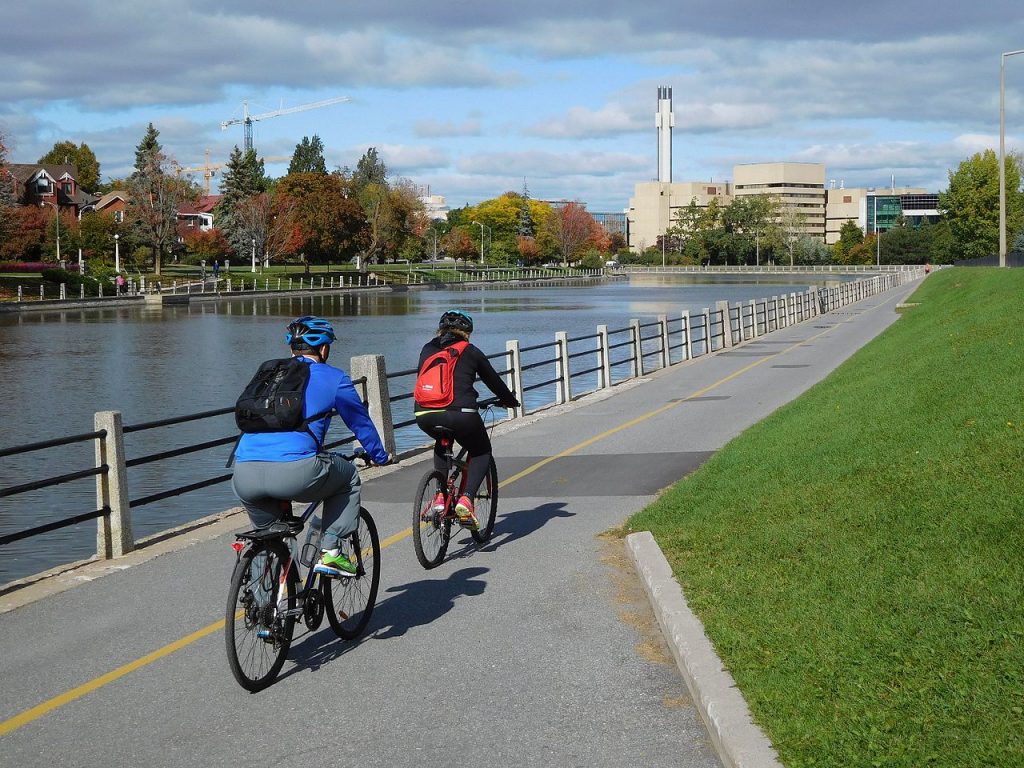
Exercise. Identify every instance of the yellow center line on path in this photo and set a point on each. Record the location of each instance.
(75, 693)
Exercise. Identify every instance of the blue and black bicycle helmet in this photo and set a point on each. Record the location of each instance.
(457, 319)
(314, 331)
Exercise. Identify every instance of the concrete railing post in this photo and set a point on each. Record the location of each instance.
(663, 330)
(722, 308)
(687, 340)
(605, 374)
(638, 349)
(114, 530)
(562, 372)
(753, 319)
(514, 378)
(378, 399)
(706, 320)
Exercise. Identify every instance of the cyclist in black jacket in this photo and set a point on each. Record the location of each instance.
(462, 417)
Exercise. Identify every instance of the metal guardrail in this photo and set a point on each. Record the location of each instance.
(573, 360)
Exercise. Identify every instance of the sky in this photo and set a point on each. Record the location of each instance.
(474, 99)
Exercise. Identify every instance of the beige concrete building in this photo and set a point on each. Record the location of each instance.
(654, 205)
(798, 187)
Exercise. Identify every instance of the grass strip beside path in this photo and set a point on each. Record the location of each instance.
(857, 558)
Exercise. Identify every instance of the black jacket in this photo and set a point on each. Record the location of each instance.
(472, 364)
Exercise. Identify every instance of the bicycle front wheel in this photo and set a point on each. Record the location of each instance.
(431, 529)
(259, 620)
(487, 504)
(349, 600)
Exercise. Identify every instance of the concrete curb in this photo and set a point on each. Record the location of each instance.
(739, 742)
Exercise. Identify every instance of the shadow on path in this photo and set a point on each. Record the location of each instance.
(523, 522)
(421, 602)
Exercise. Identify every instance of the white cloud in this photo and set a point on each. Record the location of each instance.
(430, 128)
(610, 120)
(540, 164)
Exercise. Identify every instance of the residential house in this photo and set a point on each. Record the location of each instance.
(54, 185)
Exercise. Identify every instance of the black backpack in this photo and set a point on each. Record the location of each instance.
(274, 400)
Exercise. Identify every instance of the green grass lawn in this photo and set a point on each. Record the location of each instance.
(857, 558)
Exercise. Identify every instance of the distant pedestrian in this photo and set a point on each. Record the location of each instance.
(216, 270)
(119, 282)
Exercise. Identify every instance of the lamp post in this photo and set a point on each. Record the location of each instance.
(254, 254)
(56, 216)
(117, 253)
(1002, 154)
(481, 241)
(878, 236)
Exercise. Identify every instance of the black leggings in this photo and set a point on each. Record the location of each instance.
(470, 433)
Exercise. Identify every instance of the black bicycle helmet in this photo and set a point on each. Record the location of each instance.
(314, 331)
(457, 319)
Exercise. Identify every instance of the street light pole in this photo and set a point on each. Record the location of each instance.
(878, 237)
(1002, 154)
(117, 253)
(481, 241)
(254, 254)
(56, 216)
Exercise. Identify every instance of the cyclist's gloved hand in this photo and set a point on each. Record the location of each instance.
(513, 403)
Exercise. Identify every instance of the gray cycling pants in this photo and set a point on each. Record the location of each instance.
(259, 485)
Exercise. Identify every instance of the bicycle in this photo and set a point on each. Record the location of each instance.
(432, 526)
(265, 599)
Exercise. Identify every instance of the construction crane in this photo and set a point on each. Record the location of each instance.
(247, 120)
(209, 170)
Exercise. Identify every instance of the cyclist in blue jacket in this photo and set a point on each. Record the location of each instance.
(270, 466)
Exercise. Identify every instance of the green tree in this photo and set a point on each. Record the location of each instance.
(746, 220)
(391, 217)
(971, 204)
(96, 236)
(331, 221)
(308, 156)
(369, 170)
(850, 236)
(154, 198)
(87, 167)
(243, 177)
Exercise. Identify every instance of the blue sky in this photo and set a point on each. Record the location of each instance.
(473, 99)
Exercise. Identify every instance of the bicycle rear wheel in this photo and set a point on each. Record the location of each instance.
(487, 504)
(349, 600)
(431, 529)
(256, 635)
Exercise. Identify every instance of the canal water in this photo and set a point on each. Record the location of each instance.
(57, 368)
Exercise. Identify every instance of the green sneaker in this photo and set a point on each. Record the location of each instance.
(335, 565)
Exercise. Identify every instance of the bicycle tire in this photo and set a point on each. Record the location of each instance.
(257, 639)
(349, 600)
(487, 504)
(431, 531)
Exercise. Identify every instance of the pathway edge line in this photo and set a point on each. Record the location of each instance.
(740, 743)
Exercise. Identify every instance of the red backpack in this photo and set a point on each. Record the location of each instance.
(435, 384)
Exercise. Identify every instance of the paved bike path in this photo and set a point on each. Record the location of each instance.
(538, 648)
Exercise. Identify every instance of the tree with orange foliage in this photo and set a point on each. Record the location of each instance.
(271, 220)
(572, 230)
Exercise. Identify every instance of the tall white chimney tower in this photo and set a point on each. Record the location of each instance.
(664, 121)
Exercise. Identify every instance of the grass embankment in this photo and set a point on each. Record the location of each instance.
(857, 558)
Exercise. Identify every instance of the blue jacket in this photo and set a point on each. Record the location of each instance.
(328, 386)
